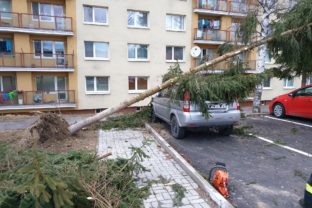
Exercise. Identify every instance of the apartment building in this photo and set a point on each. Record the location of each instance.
(124, 47)
(37, 55)
(216, 22)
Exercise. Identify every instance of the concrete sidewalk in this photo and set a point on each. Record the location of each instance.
(247, 110)
(163, 169)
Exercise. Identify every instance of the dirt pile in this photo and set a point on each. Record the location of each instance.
(49, 126)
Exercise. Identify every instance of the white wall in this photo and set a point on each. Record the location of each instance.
(118, 68)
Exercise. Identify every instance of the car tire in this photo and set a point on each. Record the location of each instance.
(154, 118)
(226, 131)
(176, 131)
(278, 110)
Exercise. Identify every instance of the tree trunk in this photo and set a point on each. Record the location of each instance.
(77, 126)
(304, 79)
(265, 29)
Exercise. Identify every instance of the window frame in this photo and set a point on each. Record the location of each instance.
(172, 60)
(93, 15)
(8, 12)
(136, 59)
(309, 80)
(267, 87)
(173, 29)
(53, 49)
(52, 16)
(135, 25)
(286, 81)
(136, 90)
(95, 58)
(55, 80)
(95, 91)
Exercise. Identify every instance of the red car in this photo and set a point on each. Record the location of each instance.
(296, 103)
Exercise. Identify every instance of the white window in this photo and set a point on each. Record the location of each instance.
(137, 19)
(49, 49)
(137, 52)
(288, 83)
(267, 83)
(309, 80)
(267, 57)
(7, 83)
(96, 50)
(47, 11)
(5, 9)
(137, 84)
(175, 22)
(97, 85)
(174, 53)
(51, 83)
(95, 15)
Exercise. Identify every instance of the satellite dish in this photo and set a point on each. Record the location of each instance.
(195, 52)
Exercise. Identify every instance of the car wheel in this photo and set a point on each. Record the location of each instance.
(154, 118)
(278, 110)
(176, 131)
(226, 131)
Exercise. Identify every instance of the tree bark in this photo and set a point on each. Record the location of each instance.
(77, 126)
(265, 30)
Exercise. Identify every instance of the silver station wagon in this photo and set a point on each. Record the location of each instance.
(184, 114)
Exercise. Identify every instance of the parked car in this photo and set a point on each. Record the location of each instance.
(183, 114)
(296, 103)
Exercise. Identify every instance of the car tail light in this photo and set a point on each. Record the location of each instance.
(186, 101)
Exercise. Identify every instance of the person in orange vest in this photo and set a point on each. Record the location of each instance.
(307, 200)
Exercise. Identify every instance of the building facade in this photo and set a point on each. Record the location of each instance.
(37, 55)
(124, 47)
(216, 22)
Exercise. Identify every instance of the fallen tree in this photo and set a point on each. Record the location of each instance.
(90, 120)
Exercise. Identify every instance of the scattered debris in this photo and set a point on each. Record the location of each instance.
(279, 157)
(280, 142)
(300, 174)
(179, 194)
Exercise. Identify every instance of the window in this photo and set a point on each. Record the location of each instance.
(174, 53)
(97, 85)
(304, 92)
(288, 83)
(96, 15)
(7, 83)
(175, 22)
(49, 49)
(137, 84)
(51, 83)
(267, 82)
(137, 52)
(6, 46)
(47, 11)
(96, 50)
(137, 19)
(5, 9)
(267, 57)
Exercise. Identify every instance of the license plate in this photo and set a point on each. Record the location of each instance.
(217, 106)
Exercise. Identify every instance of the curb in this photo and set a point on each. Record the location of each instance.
(201, 182)
(256, 114)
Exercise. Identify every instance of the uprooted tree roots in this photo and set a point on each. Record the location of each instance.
(49, 126)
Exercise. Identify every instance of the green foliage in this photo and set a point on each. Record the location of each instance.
(293, 52)
(173, 71)
(131, 120)
(228, 86)
(179, 191)
(34, 178)
(248, 27)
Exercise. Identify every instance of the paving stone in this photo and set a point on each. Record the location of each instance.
(159, 164)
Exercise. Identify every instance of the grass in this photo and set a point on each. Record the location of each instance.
(280, 142)
(130, 120)
(179, 192)
(294, 130)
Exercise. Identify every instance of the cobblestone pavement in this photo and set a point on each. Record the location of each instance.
(162, 168)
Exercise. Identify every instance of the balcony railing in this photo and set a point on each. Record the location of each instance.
(37, 60)
(25, 98)
(211, 35)
(36, 22)
(225, 6)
